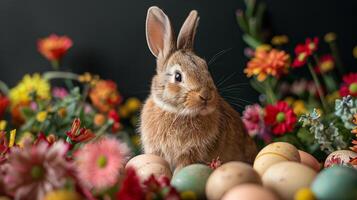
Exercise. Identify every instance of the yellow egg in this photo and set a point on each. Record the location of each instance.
(286, 178)
(227, 176)
(274, 153)
(148, 164)
(308, 160)
(249, 192)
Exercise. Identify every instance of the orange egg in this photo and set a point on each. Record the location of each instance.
(308, 160)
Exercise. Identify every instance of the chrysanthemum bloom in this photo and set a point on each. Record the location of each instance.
(33, 171)
(105, 96)
(303, 51)
(268, 62)
(349, 85)
(4, 103)
(54, 47)
(325, 64)
(34, 84)
(280, 117)
(99, 163)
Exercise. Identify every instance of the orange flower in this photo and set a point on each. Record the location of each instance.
(54, 47)
(268, 62)
(105, 96)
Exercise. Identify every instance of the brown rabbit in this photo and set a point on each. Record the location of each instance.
(185, 120)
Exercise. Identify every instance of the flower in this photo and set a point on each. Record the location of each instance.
(113, 115)
(59, 92)
(4, 103)
(77, 134)
(253, 118)
(35, 170)
(28, 86)
(281, 117)
(41, 116)
(299, 107)
(99, 163)
(62, 195)
(326, 64)
(105, 96)
(54, 47)
(99, 119)
(267, 62)
(131, 187)
(354, 52)
(279, 40)
(349, 86)
(330, 37)
(303, 51)
(133, 104)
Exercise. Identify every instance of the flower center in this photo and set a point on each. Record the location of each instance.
(302, 56)
(37, 172)
(353, 88)
(102, 161)
(280, 117)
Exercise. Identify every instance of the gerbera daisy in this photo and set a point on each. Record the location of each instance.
(99, 163)
(303, 51)
(349, 86)
(34, 170)
(267, 62)
(280, 117)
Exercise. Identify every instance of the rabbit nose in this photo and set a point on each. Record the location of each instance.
(205, 95)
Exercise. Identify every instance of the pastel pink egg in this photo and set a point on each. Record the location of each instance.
(309, 160)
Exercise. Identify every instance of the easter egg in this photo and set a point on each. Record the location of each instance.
(286, 178)
(149, 164)
(337, 182)
(227, 176)
(249, 192)
(340, 157)
(192, 178)
(309, 160)
(274, 153)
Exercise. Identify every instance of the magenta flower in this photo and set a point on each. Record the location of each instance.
(99, 163)
(59, 92)
(33, 171)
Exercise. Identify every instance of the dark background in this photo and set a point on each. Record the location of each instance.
(109, 35)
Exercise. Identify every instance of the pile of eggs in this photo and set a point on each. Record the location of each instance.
(280, 172)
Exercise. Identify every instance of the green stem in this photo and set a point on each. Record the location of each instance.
(4, 88)
(336, 56)
(60, 75)
(269, 92)
(318, 86)
(102, 130)
(55, 64)
(328, 80)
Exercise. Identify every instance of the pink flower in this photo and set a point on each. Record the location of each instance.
(33, 171)
(99, 163)
(253, 119)
(59, 92)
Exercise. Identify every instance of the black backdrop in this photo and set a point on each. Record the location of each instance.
(109, 35)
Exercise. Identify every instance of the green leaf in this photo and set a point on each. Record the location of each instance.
(250, 8)
(242, 22)
(305, 136)
(257, 86)
(27, 112)
(252, 42)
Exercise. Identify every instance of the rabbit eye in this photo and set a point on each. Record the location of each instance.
(178, 77)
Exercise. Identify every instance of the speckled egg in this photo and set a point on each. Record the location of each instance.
(286, 178)
(229, 175)
(192, 178)
(337, 182)
(147, 164)
(309, 160)
(340, 157)
(274, 153)
(249, 192)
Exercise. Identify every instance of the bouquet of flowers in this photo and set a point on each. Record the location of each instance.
(307, 98)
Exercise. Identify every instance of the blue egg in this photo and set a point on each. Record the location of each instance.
(337, 182)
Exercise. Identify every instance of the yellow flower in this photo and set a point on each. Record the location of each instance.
(12, 138)
(123, 111)
(41, 116)
(304, 194)
(3, 124)
(25, 136)
(355, 52)
(133, 104)
(289, 100)
(330, 37)
(299, 107)
(263, 47)
(62, 195)
(279, 40)
(30, 84)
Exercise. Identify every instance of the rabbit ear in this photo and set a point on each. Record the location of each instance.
(188, 30)
(159, 34)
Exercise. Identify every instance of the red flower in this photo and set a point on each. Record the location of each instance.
(77, 134)
(4, 103)
(326, 64)
(303, 51)
(113, 115)
(280, 117)
(131, 187)
(349, 86)
(54, 47)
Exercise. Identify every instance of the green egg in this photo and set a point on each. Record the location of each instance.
(192, 178)
(338, 182)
